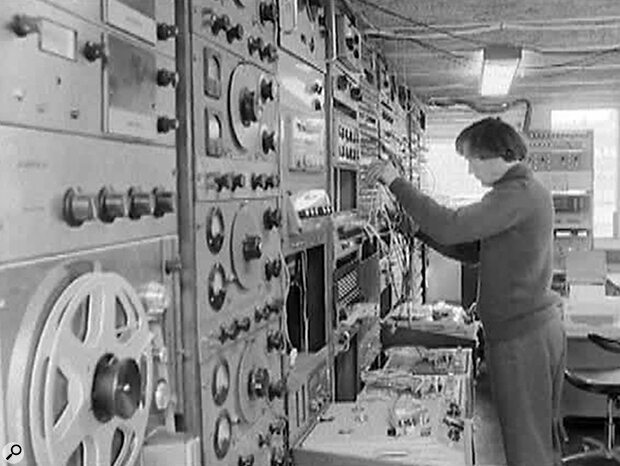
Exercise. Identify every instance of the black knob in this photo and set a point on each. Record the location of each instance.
(278, 457)
(258, 181)
(252, 248)
(244, 324)
(273, 269)
(356, 94)
(316, 88)
(246, 460)
(342, 82)
(276, 428)
(261, 314)
(77, 208)
(237, 181)
(165, 124)
(272, 218)
(111, 205)
(275, 341)
(224, 181)
(164, 202)
(23, 25)
(267, 90)
(140, 203)
(167, 78)
(269, 141)
(233, 329)
(268, 12)
(272, 181)
(258, 385)
(274, 307)
(318, 106)
(269, 53)
(255, 44)
(93, 51)
(219, 23)
(166, 31)
(250, 111)
(277, 390)
(235, 33)
(264, 440)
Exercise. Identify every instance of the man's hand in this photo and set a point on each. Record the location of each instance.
(383, 172)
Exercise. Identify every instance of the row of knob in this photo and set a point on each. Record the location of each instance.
(343, 83)
(313, 212)
(233, 330)
(349, 153)
(234, 181)
(108, 205)
(348, 134)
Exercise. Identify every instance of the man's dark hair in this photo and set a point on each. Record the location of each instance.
(490, 138)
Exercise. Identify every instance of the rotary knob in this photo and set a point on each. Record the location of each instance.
(249, 108)
(166, 31)
(267, 90)
(77, 208)
(165, 124)
(224, 181)
(277, 428)
(356, 94)
(342, 82)
(258, 386)
(252, 248)
(234, 33)
(269, 53)
(229, 332)
(272, 218)
(258, 181)
(278, 457)
(277, 390)
(237, 181)
(255, 44)
(269, 141)
(246, 460)
(275, 341)
(219, 23)
(261, 314)
(93, 51)
(23, 25)
(244, 324)
(268, 12)
(164, 202)
(167, 78)
(275, 307)
(140, 203)
(111, 205)
(273, 269)
(264, 440)
(272, 181)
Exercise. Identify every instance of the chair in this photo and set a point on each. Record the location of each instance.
(602, 382)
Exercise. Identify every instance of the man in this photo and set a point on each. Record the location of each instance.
(509, 232)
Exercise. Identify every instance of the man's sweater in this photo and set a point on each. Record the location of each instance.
(510, 232)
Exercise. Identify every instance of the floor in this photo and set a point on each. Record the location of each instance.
(488, 442)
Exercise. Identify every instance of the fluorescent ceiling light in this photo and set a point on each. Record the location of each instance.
(498, 69)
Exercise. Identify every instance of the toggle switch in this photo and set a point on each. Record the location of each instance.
(77, 208)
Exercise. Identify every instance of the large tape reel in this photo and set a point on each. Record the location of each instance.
(88, 385)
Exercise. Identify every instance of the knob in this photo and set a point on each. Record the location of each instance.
(277, 457)
(140, 203)
(219, 23)
(111, 205)
(356, 94)
(264, 440)
(269, 53)
(77, 208)
(276, 428)
(317, 87)
(255, 44)
(250, 111)
(235, 33)
(272, 181)
(237, 181)
(267, 90)
(269, 141)
(342, 82)
(252, 248)
(274, 307)
(244, 324)
(167, 78)
(246, 460)
(224, 181)
(258, 181)
(277, 390)
(165, 124)
(268, 12)
(258, 386)
(166, 31)
(229, 332)
(272, 218)
(23, 25)
(261, 314)
(273, 269)
(93, 51)
(164, 202)
(275, 341)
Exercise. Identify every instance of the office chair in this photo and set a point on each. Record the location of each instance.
(603, 382)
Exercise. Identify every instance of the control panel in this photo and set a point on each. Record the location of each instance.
(302, 31)
(348, 139)
(348, 41)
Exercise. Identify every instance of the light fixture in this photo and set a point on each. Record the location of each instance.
(499, 66)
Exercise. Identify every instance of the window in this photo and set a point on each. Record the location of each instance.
(604, 122)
